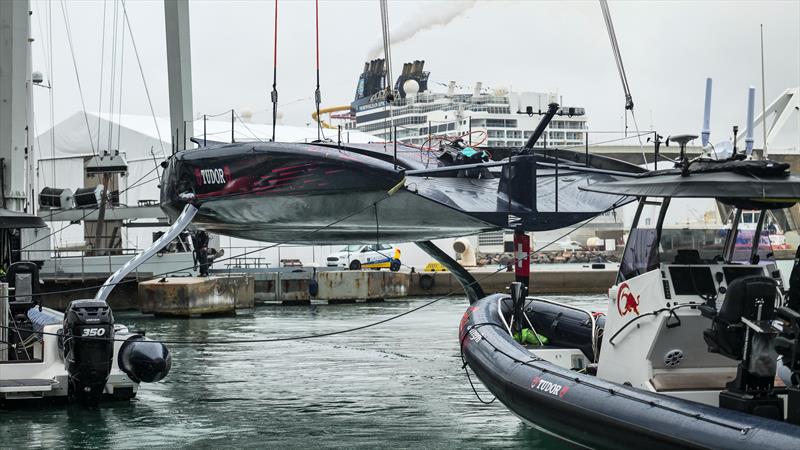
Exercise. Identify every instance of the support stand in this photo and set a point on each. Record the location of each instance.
(177, 227)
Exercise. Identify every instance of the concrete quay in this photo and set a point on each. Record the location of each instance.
(230, 293)
(195, 296)
(292, 288)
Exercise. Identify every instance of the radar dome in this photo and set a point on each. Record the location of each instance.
(411, 87)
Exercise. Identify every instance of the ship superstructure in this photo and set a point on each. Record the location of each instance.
(496, 117)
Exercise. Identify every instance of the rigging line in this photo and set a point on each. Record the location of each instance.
(102, 64)
(135, 184)
(121, 74)
(115, 34)
(77, 75)
(317, 95)
(387, 52)
(612, 36)
(617, 55)
(255, 136)
(319, 335)
(274, 94)
(260, 249)
(144, 81)
(87, 214)
(51, 94)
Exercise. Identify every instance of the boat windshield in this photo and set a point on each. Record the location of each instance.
(696, 231)
(641, 253)
(688, 231)
(746, 231)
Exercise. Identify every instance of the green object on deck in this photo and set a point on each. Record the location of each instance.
(529, 337)
(468, 152)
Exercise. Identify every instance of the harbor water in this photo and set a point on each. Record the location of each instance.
(400, 384)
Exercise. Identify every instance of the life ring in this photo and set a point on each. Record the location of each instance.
(426, 282)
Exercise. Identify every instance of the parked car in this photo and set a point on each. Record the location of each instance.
(366, 256)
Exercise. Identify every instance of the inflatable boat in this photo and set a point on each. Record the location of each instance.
(700, 347)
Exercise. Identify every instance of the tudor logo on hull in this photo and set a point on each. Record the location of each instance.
(555, 389)
(212, 176)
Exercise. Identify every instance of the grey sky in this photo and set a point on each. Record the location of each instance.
(668, 49)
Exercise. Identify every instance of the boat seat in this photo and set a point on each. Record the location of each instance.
(727, 333)
(702, 381)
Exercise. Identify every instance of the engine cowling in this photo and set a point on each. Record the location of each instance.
(88, 348)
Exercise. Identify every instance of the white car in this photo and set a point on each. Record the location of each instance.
(366, 256)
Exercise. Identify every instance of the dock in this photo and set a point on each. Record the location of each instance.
(234, 293)
(197, 296)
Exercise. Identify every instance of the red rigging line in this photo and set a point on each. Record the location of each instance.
(274, 94)
(317, 96)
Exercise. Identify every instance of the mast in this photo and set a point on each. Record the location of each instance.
(16, 114)
(179, 68)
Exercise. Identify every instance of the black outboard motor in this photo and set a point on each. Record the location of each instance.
(88, 348)
(144, 360)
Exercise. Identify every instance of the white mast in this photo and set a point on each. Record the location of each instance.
(179, 71)
(15, 105)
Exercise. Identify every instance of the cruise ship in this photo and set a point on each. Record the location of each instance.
(490, 117)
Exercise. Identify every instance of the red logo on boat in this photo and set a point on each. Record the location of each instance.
(465, 319)
(540, 384)
(626, 301)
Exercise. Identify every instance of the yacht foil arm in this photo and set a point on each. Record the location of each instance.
(471, 286)
(177, 227)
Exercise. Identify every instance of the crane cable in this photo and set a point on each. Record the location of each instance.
(68, 29)
(612, 36)
(274, 94)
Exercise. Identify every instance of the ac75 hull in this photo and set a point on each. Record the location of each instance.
(317, 193)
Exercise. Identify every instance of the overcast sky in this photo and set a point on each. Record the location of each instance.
(668, 49)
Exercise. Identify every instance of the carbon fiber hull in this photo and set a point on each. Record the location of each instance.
(324, 194)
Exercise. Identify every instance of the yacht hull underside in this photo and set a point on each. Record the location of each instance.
(337, 218)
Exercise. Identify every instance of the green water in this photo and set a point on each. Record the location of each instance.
(397, 385)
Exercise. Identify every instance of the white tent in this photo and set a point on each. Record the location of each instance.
(146, 142)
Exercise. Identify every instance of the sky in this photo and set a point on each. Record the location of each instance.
(668, 49)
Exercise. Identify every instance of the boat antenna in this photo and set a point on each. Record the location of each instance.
(274, 94)
(552, 109)
(763, 98)
(751, 106)
(705, 134)
(387, 53)
(317, 95)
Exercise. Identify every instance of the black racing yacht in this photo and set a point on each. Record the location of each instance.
(326, 192)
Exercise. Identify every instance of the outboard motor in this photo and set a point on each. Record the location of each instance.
(88, 348)
(144, 360)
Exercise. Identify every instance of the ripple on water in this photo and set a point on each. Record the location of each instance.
(398, 385)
